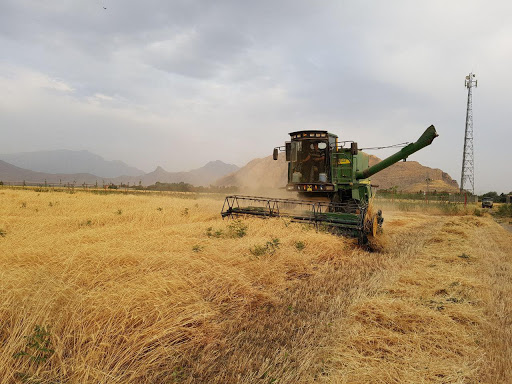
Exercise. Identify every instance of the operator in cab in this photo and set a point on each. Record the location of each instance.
(315, 162)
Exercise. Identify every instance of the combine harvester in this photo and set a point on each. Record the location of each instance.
(332, 181)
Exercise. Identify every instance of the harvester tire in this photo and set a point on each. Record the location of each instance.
(375, 226)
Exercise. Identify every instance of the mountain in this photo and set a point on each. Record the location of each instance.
(64, 161)
(205, 175)
(11, 173)
(410, 176)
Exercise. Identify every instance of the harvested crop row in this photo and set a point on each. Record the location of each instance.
(440, 317)
(154, 288)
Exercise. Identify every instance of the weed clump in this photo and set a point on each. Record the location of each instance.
(86, 223)
(450, 209)
(178, 374)
(210, 232)
(237, 229)
(299, 245)
(38, 347)
(505, 210)
(258, 250)
(3, 233)
(269, 248)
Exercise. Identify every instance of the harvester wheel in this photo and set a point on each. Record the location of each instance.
(371, 225)
(375, 226)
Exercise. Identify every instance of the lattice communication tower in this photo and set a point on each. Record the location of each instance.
(467, 179)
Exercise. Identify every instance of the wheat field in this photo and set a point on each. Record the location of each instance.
(157, 288)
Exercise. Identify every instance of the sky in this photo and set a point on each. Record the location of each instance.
(178, 83)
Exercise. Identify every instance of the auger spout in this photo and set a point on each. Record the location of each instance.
(425, 140)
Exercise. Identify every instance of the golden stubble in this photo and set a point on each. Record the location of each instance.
(136, 291)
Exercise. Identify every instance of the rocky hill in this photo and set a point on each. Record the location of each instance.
(410, 176)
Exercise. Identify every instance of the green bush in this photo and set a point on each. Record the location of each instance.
(504, 210)
(197, 248)
(299, 246)
(270, 248)
(210, 232)
(237, 228)
(450, 209)
(38, 347)
(258, 250)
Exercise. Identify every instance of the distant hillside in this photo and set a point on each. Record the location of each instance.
(203, 176)
(11, 173)
(409, 176)
(64, 161)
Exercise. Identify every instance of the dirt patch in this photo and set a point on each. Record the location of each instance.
(506, 225)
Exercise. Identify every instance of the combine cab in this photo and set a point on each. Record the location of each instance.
(332, 180)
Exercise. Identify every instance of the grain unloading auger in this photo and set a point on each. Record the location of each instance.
(332, 181)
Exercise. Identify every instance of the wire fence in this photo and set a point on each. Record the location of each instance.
(70, 185)
(430, 197)
(423, 196)
(178, 189)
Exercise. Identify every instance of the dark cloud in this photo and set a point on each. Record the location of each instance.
(196, 52)
(148, 82)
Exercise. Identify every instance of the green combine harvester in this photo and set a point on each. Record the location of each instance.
(332, 180)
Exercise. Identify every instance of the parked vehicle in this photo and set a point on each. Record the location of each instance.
(487, 202)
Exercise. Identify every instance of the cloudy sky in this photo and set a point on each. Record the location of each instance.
(182, 82)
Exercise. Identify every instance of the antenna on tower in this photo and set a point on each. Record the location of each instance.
(467, 179)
